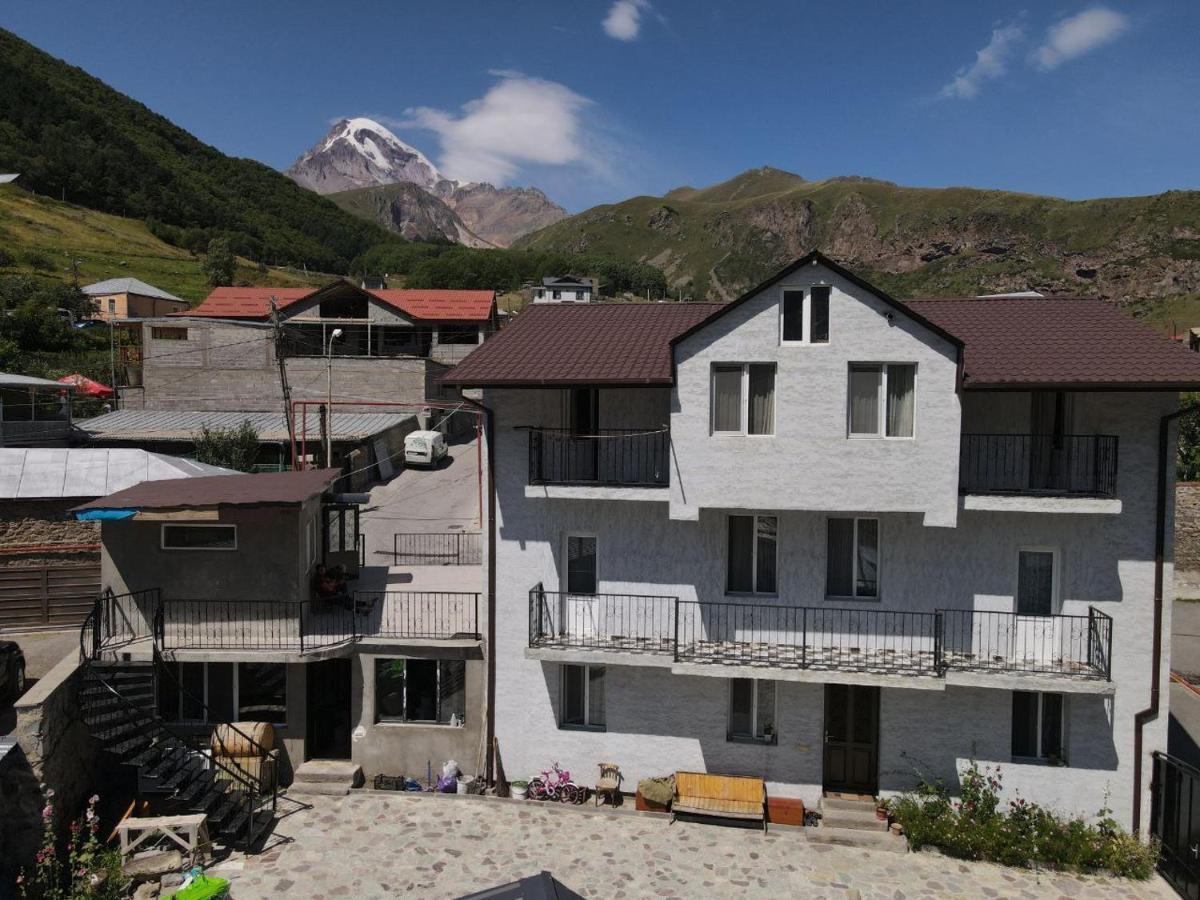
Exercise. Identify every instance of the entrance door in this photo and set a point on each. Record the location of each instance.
(1050, 427)
(851, 739)
(327, 735)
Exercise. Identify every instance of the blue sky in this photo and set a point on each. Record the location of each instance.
(596, 100)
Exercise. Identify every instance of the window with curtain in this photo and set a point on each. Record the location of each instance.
(581, 564)
(582, 701)
(793, 317)
(882, 400)
(1037, 726)
(752, 555)
(743, 398)
(1035, 582)
(751, 711)
(819, 316)
(852, 558)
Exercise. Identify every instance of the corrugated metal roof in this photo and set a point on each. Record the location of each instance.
(183, 425)
(9, 379)
(129, 286)
(266, 489)
(46, 473)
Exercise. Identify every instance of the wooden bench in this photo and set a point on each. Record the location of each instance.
(189, 832)
(720, 796)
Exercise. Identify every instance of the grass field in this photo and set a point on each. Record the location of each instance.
(42, 237)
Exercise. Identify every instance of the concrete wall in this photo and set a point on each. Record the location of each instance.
(232, 366)
(809, 453)
(54, 752)
(659, 722)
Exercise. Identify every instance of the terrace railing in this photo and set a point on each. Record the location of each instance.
(458, 548)
(823, 638)
(1074, 464)
(622, 458)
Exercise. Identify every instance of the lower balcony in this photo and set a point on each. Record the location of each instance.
(955, 645)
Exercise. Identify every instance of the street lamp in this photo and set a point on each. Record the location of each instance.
(337, 333)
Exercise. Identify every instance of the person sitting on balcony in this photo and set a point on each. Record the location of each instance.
(329, 584)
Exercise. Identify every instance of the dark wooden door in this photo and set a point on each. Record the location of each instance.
(851, 738)
(327, 734)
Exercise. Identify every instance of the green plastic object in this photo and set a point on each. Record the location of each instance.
(203, 887)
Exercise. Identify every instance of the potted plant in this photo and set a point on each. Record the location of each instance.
(519, 789)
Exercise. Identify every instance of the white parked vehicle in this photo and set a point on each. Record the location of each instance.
(424, 448)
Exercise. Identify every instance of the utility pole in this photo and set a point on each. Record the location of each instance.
(281, 359)
(324, 415)
(328, 424)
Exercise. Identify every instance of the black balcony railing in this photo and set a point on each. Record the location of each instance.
(620, 458)
(1073, 464)
(824, 638)
(457, 548)
(307, 625)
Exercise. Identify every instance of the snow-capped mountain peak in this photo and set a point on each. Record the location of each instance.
(359, 152)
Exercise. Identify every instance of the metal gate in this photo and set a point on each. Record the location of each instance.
(1175, 821)
(459, 548)
(47, 595)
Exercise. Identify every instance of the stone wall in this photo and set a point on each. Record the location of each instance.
(54, 751)
(35, 523)
(1187, 526)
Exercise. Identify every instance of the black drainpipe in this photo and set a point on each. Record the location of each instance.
(1150, 713)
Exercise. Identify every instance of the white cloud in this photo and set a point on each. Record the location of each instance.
(1079, 34)
(624, 19)
(521, 120)
(990, 63)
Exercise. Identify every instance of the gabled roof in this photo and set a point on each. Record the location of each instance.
(816, 257)
(566, 281)
(267, 489)
(584, 344)
(41, 473)
(427, 305)
(1049, 343)
(129, 286)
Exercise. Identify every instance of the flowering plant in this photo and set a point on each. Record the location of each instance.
(91, 870)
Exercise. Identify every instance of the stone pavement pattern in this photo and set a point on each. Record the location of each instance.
(391, 845)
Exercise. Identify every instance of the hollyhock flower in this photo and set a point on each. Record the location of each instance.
(47, 811)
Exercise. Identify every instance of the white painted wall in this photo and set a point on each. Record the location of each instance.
(810, 456)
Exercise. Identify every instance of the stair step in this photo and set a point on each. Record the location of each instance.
(855, 837)
(336, 771)
(847, 804)
(329, 788)
(863, 820)
(121, 731)
(171, 761)
(129, 745)
(229, 807)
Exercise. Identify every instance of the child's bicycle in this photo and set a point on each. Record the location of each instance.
(556, 784)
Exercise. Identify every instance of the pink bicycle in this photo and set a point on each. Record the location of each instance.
(556, 784)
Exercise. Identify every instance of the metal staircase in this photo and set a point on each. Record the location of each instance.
(118, 699)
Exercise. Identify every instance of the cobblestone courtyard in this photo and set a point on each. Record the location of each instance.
(390, 845)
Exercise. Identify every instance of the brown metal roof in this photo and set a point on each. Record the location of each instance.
(267, 489)
(582, 344)
(1060, 343)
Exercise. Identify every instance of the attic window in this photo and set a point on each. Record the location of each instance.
(804, 316)
(168, 333)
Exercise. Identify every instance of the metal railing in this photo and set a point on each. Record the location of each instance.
(303, 626)
(460, 548)
(985, 641)
(1082, 464)
(626, 458)
(824, 638)
(121, 619)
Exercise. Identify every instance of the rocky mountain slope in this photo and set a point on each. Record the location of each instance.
(718, 241)
(360, 154)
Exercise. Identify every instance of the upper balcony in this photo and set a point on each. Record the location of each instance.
(612, 458)
(1074, 472)
(825, 643)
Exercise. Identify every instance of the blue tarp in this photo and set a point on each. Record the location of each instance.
(96, 515)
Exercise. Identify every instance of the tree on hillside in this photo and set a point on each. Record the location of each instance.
(231, 448)
(218, 263)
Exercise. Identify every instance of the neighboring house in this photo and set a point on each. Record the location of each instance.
(392, 347)
(49, 562)
(564, 289)
(34, 411)
(219, 576)
(129, 298)
(834, 540)
(370, 444)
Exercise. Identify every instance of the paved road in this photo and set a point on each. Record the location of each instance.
(445, 499)
(43, 650)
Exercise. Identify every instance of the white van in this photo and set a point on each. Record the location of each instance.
(424, 448)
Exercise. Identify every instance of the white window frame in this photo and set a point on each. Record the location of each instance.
(566, 560)
(437, 699)
(880, 433)
(162, 536)
(1041, 711)
(753, 554)
(237, 691)
(854, 594)
(805, 315)
(587, 724)
(744, 401)
(752, 737)
(1055, 580)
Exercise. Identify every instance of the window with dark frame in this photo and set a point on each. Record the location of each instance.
(167, 332)
(751, 711)
(581, 564)
(881, 400)
(582, 703)
(793, 317)
(262, 692)
(819, 314)
(1035, 582)
(852, 558)
(751, 561)
(743, 398)
(421, 691)
(199, 537)
(1037, 726)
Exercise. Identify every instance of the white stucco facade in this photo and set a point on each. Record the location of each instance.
(937, 551)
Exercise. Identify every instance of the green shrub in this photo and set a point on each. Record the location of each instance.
(1019, 833)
